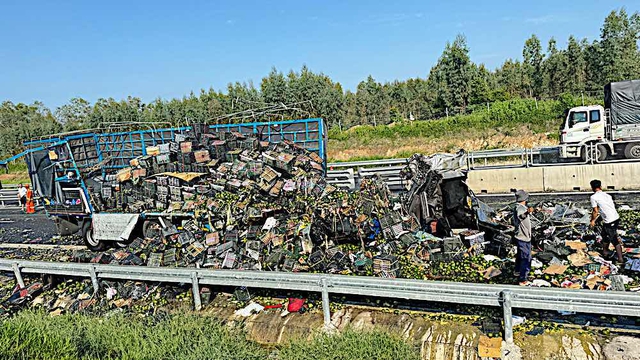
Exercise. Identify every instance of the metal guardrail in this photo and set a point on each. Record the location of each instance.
(507, 296)
(357, 164)
(389, 169)
(343, 179)
(9, 197)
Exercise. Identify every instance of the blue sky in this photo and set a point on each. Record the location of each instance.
(55, 50)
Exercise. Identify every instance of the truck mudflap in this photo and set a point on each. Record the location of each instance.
(113, 227)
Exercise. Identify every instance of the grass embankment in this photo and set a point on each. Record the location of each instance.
(506, 124)
(17, 173)
(36, 335)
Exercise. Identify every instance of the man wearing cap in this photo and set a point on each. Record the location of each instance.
(603, 205)
(522, 224)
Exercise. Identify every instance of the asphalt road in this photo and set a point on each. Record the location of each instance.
(630, 199)
(17, 227)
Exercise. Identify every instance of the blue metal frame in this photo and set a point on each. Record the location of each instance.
(110, 142)
(83, 186)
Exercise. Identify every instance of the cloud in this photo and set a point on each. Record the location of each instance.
(231, 22)
(542, 19)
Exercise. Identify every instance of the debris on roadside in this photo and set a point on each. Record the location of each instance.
(229, 201)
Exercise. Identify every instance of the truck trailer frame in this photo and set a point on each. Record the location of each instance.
(78, 156)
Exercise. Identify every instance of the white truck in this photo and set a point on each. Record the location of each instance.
(600, 133)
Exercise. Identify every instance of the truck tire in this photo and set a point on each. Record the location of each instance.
(89, 240)
(602, 153)
(632, 151)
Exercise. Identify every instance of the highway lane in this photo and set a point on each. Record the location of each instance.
(17, 227)
(622, 199)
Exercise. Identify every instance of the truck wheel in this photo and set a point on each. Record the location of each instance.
(89, 239)
(585, 155)
(632, 151)
(151, 229)
(601, 153)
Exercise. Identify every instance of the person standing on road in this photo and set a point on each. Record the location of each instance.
(30, 208)
(22, 197)
(522, 223)
(603, 205)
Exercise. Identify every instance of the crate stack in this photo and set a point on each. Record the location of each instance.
(257, 206)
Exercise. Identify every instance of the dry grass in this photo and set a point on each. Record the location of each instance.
(355, 149)
(15, 178)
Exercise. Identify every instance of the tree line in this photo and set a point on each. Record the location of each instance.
(454, 85)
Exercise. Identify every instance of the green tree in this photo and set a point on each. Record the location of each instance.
(213, 102)
(619, 46)
(243, 97)
(480, 84)
(453, 74)
(350, 112)
(372, 102)
(510, 79)
(532, 63)
(74, 115)
(594, 79)
(315, 95)
(555, 70)
(421, 99)
(21, 122)
(398, 96)
(274, 87)
(576, 67)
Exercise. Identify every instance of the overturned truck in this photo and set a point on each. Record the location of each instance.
(439, 197)
(252, 196)
(73, 173)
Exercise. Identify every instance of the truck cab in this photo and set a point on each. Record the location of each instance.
(583, 124)
(596, 133)
(583, 135)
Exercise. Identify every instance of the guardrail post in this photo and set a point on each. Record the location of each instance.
(508, 317)
(325, 303)
(530, 157)
(195, 288)
(94, 279)
(18, 275)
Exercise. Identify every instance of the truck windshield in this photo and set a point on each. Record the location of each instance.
(576, 117)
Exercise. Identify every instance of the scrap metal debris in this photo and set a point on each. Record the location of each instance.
(228, 201)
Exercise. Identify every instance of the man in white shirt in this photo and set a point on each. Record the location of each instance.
(22, 196)
(603, 205)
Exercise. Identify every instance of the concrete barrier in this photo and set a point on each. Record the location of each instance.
(504, 180)
(621, 176)
(614, 176)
